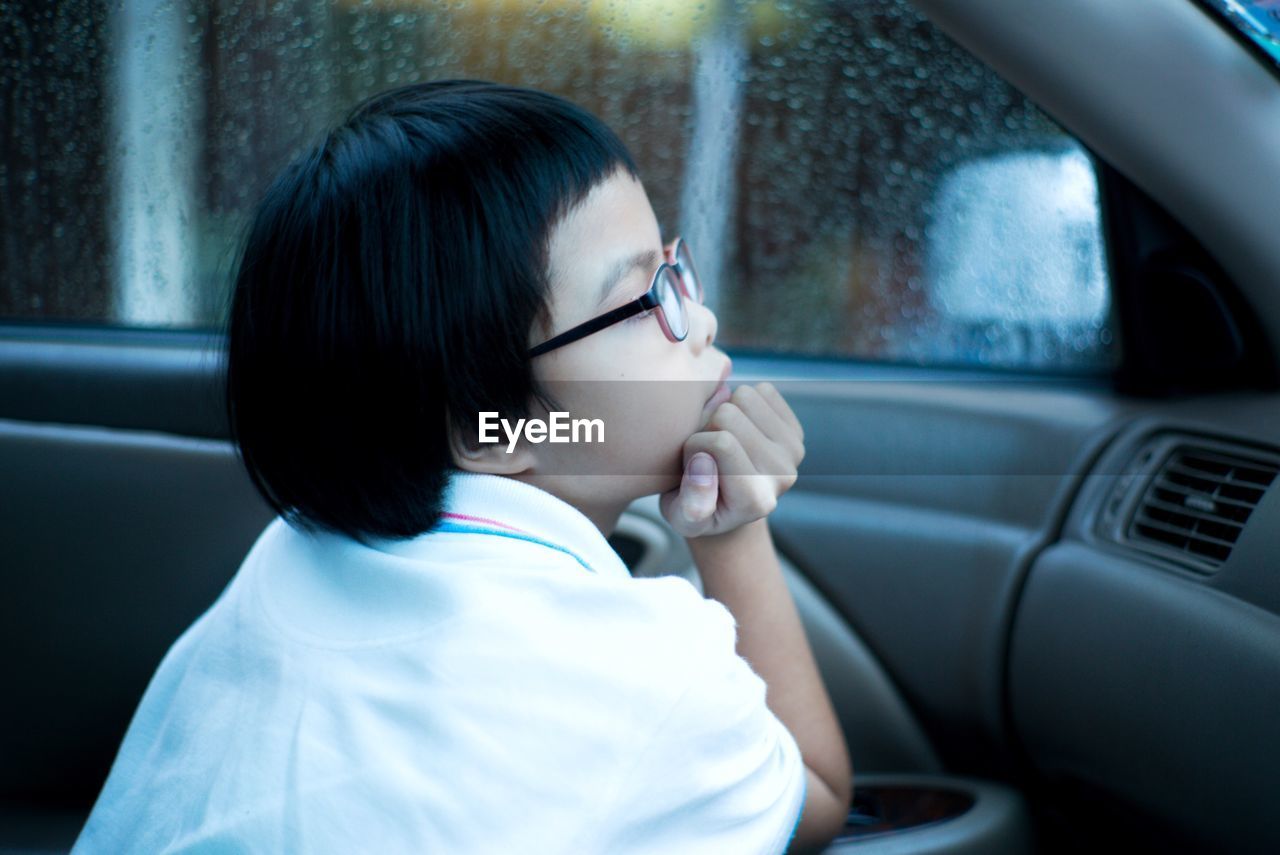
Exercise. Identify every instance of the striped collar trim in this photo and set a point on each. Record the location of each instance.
(497, 529)
(467, 519)
(498, 506)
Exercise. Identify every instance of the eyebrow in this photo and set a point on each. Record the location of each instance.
(646, 260)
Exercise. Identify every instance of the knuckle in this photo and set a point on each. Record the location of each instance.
(724, 415)
(723, 442)
(767, 502)
(761, 487)
(700, 439)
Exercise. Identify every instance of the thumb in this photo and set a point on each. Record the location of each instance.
(699, 487)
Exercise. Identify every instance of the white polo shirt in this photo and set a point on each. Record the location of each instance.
(499, 684)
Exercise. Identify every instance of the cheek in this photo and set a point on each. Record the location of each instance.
(646, 423)
(652, 420)
(639, 385)
(639, 350)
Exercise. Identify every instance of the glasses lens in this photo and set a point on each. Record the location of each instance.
(688, 273)
(672, 302)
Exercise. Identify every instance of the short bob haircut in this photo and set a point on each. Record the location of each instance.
(388, 289)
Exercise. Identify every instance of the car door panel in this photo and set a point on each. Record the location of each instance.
(1146, 680)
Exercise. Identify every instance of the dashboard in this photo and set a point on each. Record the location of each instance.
(1145, 652)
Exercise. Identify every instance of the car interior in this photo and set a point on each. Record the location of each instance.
(1046, 604)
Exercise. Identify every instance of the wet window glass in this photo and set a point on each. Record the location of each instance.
(851, 182)
(1256, 20)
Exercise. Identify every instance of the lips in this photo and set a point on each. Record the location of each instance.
(728, 369)
(722, 392)
(719, 396)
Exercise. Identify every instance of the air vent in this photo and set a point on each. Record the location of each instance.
(1199, 501)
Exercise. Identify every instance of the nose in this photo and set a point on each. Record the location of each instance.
(702, 325)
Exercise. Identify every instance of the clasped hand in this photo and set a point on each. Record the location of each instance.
(738, 465)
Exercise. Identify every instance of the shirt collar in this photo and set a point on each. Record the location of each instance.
(497, 506)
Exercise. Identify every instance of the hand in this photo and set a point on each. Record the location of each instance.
(738, 465)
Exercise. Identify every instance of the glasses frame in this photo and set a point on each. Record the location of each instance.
(646, 301)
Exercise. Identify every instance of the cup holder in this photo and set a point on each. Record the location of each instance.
(924, 814)
(889, 808)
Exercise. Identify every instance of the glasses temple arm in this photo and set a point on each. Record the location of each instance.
(583, 330)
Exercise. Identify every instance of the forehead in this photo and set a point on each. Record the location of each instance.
(612, 224)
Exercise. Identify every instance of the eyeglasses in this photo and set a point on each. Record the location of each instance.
(673, 282)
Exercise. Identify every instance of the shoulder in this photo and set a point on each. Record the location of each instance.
(709, 682)
(672, 603)
(715, 769)
(660, 625)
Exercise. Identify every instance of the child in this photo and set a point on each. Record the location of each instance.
(435, 649)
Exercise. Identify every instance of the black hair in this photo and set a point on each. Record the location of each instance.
(388, 287)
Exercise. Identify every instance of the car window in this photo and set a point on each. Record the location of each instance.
(852, 182)
(1256, 20)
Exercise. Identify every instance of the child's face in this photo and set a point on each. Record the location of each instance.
(651, 393)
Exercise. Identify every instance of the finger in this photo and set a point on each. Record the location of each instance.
(750, 401)
(730, 457)
(770, 393)
(743, 490)
(699, 489)
(672, 508)
(761, 412)
(767, 456)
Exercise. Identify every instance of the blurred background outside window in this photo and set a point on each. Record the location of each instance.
(851, 181)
